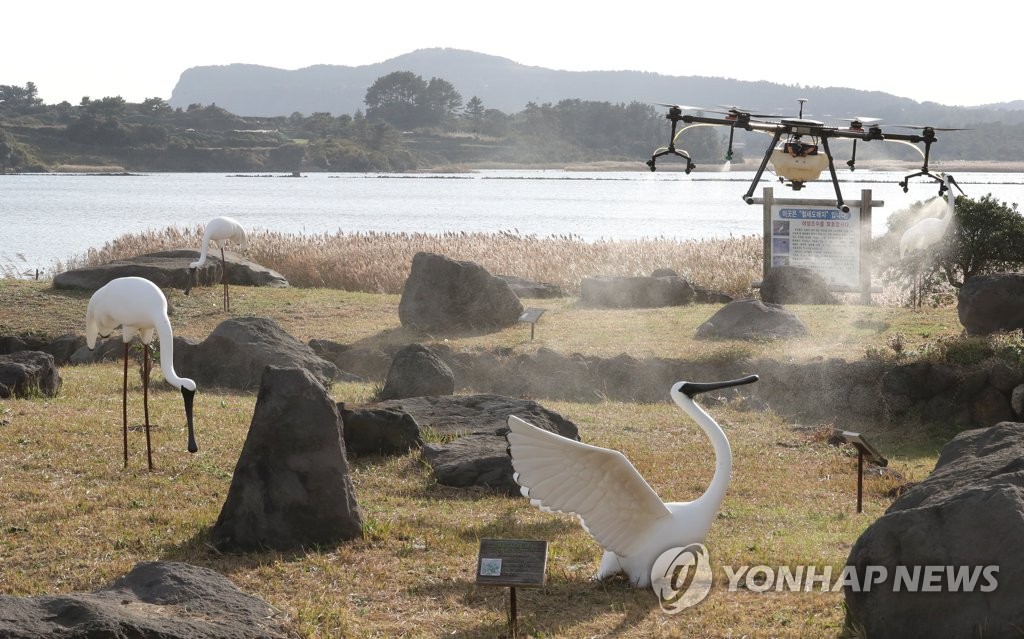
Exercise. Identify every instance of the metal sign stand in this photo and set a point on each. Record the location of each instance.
(512, 563)
(531, 315)
(865, 451)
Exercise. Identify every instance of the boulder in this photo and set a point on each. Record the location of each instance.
(991, 303)
(416, 372)
(477, 454)
(170, 269)
(636, 292)
(751, 319)
(291, 487)
(366, 362)
(157, 599)
(236, 352)
(967, 515)
(28, 374)
(474, 460)
(524, 288)
(457, 415)
(378, 431)
(795, 285)
(444, 295)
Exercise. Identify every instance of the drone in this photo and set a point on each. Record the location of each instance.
(799, 150)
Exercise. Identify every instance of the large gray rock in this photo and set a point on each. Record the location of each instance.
(473, 460)
(524, 288)
(156, 600)
(236, 352)
(444, 295)
(968, 513)
(751, 319)
(795, 285)
(476, 456)
(636, 292)
(291, 487)
(379, 431)
(28, 374)
(457, 415)
(416, 372)
(170, 269)
(991, 303)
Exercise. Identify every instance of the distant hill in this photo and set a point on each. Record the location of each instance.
(252, 90)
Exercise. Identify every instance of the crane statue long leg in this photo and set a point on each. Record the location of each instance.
(220, 230)
(139, 307)
(613, 501)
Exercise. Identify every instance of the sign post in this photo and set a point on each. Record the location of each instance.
(531, 315)
(816, 235)
(512, 563)
(865, 451)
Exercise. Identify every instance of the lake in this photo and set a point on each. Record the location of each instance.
(45, 218)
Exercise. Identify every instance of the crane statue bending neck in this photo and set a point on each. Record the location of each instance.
(220, 230)
(139, 307)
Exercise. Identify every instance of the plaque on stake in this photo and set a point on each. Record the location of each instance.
(531, 315)
(512, 563)
(865, 452)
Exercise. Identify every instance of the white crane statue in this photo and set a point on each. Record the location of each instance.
(220, 230)
(139, 307)
(613, 501)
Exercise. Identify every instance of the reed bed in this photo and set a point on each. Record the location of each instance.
(374, 262)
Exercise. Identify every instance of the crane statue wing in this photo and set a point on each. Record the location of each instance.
(613, 501)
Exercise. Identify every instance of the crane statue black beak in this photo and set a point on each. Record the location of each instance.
(693, 388)
(189, 396)
(191, 281)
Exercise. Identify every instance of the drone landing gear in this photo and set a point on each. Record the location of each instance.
(671, 150)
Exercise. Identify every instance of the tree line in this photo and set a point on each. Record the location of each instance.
(409, 123)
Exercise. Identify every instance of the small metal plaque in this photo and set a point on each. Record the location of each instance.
(512, 562)
(531, 315)
(869, 451)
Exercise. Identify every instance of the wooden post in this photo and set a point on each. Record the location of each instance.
(513, 624)
(766, 234)
(865, 248)
(860, 479)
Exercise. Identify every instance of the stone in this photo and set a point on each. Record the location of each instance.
(170, 269)
(991, 303)
(291, 487)
(473, 427)
(236, 352)
(968, 513)
(28, 374)
(751, 319)
(636, 292)
(379, 431)
(1017, 401)
(444, 295)
(474, 460)
(990, 407)
(367, 362)
(526, 289)
(457, 415)
(415, 372)
(156, 599)
(795, 285)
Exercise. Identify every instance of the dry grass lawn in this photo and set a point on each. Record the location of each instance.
(72, 519)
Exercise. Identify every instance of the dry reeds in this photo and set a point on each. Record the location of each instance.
(379, 262)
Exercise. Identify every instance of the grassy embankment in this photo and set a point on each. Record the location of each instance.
(72, 519)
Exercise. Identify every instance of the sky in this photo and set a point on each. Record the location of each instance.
(137, 50)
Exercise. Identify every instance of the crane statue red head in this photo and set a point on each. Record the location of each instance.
(139, 307)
